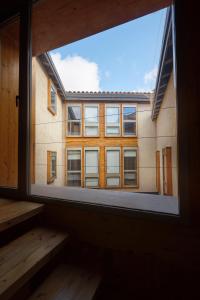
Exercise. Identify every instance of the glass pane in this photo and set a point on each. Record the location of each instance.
(130, 160)
(91, 162)
(74, 179)
(74, 128)
(130, 128)
(74, 160)
(91, 182)
(53, 97)
(113, 159)
(9, 89)
(91, 131)
(112, 130)
(130, 178)
(129, 113)
(91, 114)
(74, 113)
(112, 115)
(113, 181)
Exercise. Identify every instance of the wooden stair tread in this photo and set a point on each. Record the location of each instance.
(14, 212)
(23, 257)
(68, 282)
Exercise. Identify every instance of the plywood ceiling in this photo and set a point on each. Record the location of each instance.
(60, 22)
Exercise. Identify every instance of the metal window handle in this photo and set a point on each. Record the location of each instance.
(17, 101)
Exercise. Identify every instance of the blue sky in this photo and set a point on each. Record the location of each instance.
(124, 58)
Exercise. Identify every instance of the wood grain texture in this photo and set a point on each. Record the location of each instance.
(23, 257)
(69, 282)
(14, 212)
(9, 89)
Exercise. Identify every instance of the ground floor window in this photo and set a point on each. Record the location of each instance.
(51, 166)
(91, 167)
(130, 167)
(74, 167)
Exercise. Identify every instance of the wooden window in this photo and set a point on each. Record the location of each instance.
(130, 167)
(74, 120)
(129, 120)
(113, 167)
(91, 167)
(51, 166)
(112, 120)
(74, 167)
(91, 118)
(158, 171)
(52, 98)
(167, 171)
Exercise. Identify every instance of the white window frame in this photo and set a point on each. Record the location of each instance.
(91, 105)
(73, 121)
(125, 121)
(91, 175)
(66, 178)
(113, 175)
(106, 123)
(137, 173)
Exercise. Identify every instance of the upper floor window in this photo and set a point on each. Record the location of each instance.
(129, 120)
(52, 99)
(91, 167)
(130, 167)
(113, 167)
(51, 166)
(112, 114)
(74, 120)
(74, 167)
(91, 119)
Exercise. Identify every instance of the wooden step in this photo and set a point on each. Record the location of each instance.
(68, 282)
(23, 257)
(14, 212)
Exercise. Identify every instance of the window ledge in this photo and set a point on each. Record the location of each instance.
(115, 199)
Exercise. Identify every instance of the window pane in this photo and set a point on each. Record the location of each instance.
(112, 115)
(74, 113)
(91, 131)
(91, 182)
(130, 178)
(53, 164)
(113, 181)
(91, 162)
(130, 160)
(130, 128)
(74, 128)
(74, 179)
(129, 113)
(91, 114)
(113, 159)
(53, 97)
(112, 130)
(74, 160)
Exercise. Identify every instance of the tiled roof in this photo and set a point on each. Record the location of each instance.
(108, 96)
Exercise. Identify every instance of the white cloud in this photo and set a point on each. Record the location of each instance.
(77, 73)
(150, 77)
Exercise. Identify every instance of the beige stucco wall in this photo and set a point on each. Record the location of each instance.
(166, 131)
(48, 130)
(146, 149)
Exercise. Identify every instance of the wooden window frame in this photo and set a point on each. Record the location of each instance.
(167, 171)
(71, 121)
(112, 175)
(137, 173)
(84, 121)
(106, 123)
(158, 185)
(51, 178)
(73, 149)
(88, 175)
(52, 108)
(132, 121)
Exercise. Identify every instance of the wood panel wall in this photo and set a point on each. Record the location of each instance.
(9, 89)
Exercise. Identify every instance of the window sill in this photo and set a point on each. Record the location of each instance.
(52, 110)
(114, 199)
